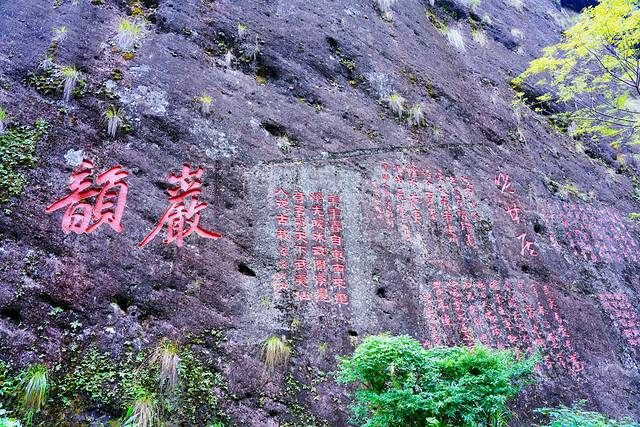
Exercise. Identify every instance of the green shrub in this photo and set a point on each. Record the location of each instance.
(401, 383)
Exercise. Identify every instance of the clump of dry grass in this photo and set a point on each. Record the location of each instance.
(166, 356)
(275, 352)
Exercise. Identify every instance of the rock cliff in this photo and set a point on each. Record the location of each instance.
(338, 216)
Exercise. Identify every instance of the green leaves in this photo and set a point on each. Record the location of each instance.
(575, 416)
(401, 383)
(17, 151)
(594, 72)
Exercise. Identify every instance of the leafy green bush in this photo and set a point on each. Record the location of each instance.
(576, 417)
(401, 383)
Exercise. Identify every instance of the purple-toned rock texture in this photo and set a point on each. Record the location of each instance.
(338, 218)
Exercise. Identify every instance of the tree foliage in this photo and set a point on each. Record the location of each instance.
(402, 384)
(594, 73)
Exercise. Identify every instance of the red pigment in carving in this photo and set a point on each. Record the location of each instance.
(405, 198)
(110, 192)
(498, 316)
(319, 260)
(621, 312)
(182, 217)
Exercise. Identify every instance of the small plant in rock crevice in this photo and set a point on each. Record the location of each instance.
(396, 103)
(250, 51)
(143, 411)
(70, 77)
(242, 30)
(228, 58)
(275, 352)
(114, 117)
(455, 39)
(34, 388)
(205, 102)
(479, 36)
(3, 120)
(166, 355)
(285, 143)
(516, 4)
(128, 34)
(385, 7)
(415, 116)
(60, 33)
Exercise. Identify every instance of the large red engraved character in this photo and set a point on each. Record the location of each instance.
(83, 217)
(183, 214)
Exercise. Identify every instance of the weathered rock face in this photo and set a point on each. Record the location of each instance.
(338, 218)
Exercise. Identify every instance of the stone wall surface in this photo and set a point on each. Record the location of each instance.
(338, 219)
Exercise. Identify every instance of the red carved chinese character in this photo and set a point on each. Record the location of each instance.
(184, 209)
(342, 299)
(109, 204)
(333, 199)
(303, 296)
(282, 203)
(526, 245)
(282, 234)
(281, 191)
(514, 212)
(316, 197)
(298, 197)
(322, 295)
(504, 183)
